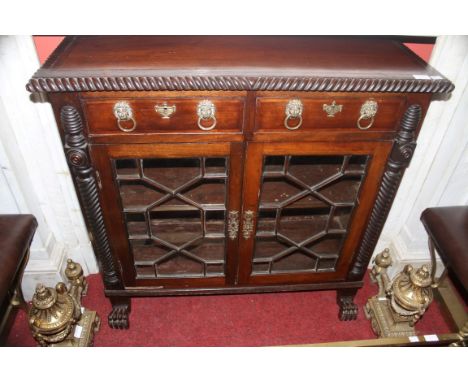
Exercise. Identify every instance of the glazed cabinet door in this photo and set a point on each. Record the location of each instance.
(305, 207)
(171, 211)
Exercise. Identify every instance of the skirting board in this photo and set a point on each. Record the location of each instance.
(50, 271)
(401, 257)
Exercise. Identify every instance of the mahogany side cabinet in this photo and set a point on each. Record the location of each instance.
(235, 164)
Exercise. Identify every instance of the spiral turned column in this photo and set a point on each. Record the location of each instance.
(78, 159)
(80, 165)
(400, 157)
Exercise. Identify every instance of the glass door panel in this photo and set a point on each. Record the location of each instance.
(307, 204)
(304, 210)
(175, 211)
(166, 208)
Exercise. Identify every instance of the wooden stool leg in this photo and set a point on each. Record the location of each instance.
(435, 283)
(17, 300)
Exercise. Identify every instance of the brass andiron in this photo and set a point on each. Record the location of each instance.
(401, 303)
(57, 318)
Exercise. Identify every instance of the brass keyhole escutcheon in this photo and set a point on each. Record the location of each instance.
(165, 110)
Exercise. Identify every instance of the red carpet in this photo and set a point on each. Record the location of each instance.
(233, 320)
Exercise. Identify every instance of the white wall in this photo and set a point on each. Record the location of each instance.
(34, 177)
(438, 173)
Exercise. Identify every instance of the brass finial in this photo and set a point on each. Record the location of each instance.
(400, 303)
(55, 311)
(421, 277)
(44, 297)
(383, 259)
(412, 291)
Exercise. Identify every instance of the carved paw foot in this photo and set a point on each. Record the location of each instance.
(118, 318)
(348, 309)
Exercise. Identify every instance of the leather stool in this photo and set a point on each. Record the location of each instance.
(447, 228)
(16, 234)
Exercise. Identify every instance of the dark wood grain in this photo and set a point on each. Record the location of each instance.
(101, 120)
(271, 112)
(200, 291)
(304, 63)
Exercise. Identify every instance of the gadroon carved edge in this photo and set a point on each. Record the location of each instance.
(311, 84)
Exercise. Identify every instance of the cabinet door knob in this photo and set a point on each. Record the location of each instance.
(206, 110)
(293, 110)
(124, 113)
(368, 111)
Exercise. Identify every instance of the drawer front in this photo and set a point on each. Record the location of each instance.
(359, 113)
(126, 116)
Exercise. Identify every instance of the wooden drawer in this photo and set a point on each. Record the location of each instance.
(333, 112)
(163, 115)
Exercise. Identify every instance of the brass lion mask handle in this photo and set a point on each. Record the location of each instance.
(368, 111)
(293, 110)
(124, 113)
(206, 111)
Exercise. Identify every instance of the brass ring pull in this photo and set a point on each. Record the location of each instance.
(292, 127)
(293, 110)
(368, 111)
(123, 112)
(125, 129)
(206, 110)
(368, 126)
(211, 127)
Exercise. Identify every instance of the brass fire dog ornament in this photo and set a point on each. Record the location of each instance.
(57, 318)
(399, 304)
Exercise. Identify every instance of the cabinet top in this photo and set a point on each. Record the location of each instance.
(301, 63)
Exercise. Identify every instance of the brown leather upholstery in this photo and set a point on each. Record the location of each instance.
(16, 233)
(448, 229)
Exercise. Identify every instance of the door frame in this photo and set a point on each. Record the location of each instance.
(102, 156)
(378, 152)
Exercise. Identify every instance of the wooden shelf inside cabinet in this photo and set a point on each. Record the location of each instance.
(288, 189)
